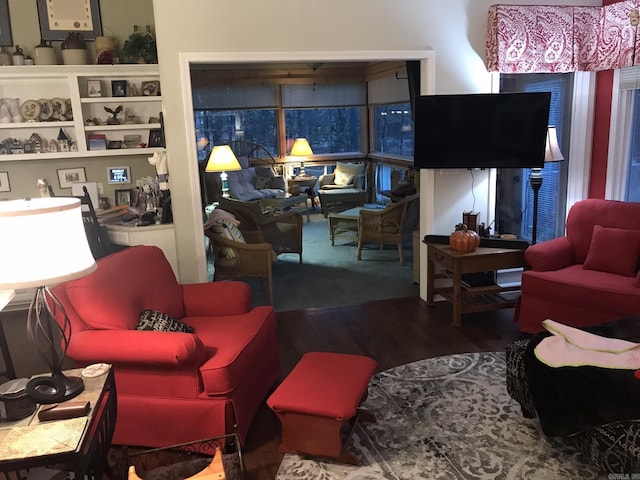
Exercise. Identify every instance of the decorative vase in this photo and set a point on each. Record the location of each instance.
(44, 54)
(74, 49)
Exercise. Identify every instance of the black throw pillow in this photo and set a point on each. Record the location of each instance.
(161, 322)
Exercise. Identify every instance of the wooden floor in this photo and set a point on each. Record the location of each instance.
(393, 332)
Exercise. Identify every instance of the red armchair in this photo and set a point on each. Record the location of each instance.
(172, 387)
(590, 275)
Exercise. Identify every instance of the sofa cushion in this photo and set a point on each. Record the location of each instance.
(161, 322)
(228, 230)
(343, 179)
(125, 283)
(262, 182)
(349, 168)
(591, 289)
(614, 250)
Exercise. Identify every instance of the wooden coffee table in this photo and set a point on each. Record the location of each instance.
(345, 224)
(468, 299)
(286, 202)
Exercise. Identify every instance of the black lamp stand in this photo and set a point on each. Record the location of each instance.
(535, 178)
(51, 341)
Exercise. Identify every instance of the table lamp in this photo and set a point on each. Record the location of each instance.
(222, 159)
(301, 148)
(552, 153)
(43, 243)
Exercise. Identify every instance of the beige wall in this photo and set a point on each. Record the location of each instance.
(25, 31)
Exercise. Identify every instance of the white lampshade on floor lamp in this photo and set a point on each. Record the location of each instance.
(552, 153)
(43, 243)
(301, 148)
(223, 160)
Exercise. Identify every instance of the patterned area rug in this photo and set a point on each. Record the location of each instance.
(446, 418)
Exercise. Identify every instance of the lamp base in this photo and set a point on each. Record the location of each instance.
(54, 389)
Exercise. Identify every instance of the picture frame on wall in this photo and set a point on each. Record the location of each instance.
(58, 18)
(123, 196)
(5, 26)
(156, 138)
(66, 176)
(5, 186)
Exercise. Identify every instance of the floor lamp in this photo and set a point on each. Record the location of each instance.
(552, 154)
(43, 243)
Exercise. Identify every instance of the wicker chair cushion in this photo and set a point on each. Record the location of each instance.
(230, 231)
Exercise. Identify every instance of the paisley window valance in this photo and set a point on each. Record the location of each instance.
(553, 39)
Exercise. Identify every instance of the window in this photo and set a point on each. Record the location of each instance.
(224, 114)
(514, 197)
(328, 116)
(393, 129)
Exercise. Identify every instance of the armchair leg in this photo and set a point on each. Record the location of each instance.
(400, 253)
(359, 255)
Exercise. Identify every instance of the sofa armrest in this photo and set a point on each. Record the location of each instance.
(550, 255)
(216, 298)
(136, 347)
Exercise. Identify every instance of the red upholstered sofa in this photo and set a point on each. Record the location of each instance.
(590, 275)
(172, 387)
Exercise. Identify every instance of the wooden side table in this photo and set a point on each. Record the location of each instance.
(80, 444)
(468, 299)
(308, 183)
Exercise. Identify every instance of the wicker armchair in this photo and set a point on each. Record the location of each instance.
(393, 225)
(249, 259)
(283, 230)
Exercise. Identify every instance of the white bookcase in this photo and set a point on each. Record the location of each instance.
(70, 83)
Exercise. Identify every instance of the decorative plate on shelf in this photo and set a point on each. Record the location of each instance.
(59, 108)
(30, 110)
(68, 114)
(46, 109)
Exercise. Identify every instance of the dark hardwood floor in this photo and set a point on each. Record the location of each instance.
(393, 332)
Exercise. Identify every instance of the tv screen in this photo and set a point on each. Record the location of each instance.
(503, 130)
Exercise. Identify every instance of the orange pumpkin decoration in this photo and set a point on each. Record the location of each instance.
(464, 240)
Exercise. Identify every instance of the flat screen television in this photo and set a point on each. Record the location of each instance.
(503, 130)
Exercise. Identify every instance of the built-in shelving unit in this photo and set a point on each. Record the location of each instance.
(141, 113)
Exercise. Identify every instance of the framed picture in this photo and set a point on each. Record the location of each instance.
(150, 88)
(59, 17)
(156, 139)
(105, 203)
(118, 175)
(94, 88)
(97, 141)
(66, 176)
(118, 88)
(123, 197)
(4, 182)
(114, 144)
(132, 141)
(5, 25)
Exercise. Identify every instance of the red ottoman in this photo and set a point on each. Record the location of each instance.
(318, 398)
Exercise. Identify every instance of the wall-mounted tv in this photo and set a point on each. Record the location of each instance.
(502, 130)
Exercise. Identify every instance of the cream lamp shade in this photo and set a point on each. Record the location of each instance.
(552, 151)
(301, 148)
(43, 242)
(5, 297)
(222, 159)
